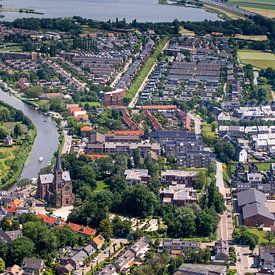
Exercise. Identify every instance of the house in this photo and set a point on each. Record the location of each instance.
(14, 270)
(241, 155)
(77, 260)
(136, 176)
(179, 195)
(125, 260)
(252, 206)
(178, 177)
(85, 131)
(8, 141)
(201, 269)
(32, 266)
(108, 270)
(267, 259)
(140, 248)
(256, 214)
(98, 242)
(177, 246)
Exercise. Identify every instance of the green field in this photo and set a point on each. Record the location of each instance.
(7, 155)
(262, 166)
(258, 59)
(261, 234)
(262, 7)
(101, 185)
(142, 74)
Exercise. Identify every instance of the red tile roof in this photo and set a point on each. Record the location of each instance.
(159, 107)
(126, 133)
(88, 231)
(86, 129)
(12, 208)
(47, 219)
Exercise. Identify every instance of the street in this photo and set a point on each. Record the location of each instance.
(197, 122)
(244, 261)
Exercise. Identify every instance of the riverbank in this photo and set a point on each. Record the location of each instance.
(16, 162)
(45, 139)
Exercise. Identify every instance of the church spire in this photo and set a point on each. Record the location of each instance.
(58, 166)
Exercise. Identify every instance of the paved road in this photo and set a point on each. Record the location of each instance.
(226, 227)
(244, 261)
(197, 122)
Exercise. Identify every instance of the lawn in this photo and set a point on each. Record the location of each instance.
(261, 234)
(7, 155)
(262, 166)
(143, 73)
(101, 185)
(258, 59)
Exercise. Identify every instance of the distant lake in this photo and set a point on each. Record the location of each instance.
(141, 10)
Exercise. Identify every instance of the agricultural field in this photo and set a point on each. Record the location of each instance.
(251, 37)
(263, 7)
(258, 59)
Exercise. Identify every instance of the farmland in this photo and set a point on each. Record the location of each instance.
(258, 59)
(263, 7)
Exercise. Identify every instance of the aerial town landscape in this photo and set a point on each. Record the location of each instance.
(137, 145)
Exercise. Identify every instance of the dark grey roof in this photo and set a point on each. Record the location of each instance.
(32, 263)
(4, 237)
(200, 269)
(250, 196)
(253, 209)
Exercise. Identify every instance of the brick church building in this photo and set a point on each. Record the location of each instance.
(56, 188)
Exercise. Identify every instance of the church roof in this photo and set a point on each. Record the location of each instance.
(58, 165)
(46, 178)
(66, 176)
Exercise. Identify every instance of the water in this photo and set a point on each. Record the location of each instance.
(46, 141)
(141, 10)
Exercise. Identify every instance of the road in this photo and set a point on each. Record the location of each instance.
(114, 249)
(197, 122)
(244, 261)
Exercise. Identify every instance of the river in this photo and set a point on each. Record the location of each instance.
(141, 10)
(46, 141)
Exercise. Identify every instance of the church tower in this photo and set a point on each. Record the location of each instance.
(56, 188)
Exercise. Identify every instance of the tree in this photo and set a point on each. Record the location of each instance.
(2, 265)
(3, 133)
(269, 237)
(136, 157)
(19, 249)
(44, 239)
(206, 223)
(121, 228)
(18, 130)
(33, 92)
(56, 104)
(182, 224)
(201, 180)
(106, 229)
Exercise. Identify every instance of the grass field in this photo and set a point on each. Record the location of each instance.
(263, 167)
(258, 59)
(7, 155)
(251, 37)
(184, 31)
(263, 7)
(261, 234)
(142, 74)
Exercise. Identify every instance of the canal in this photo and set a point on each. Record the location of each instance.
(46, 141)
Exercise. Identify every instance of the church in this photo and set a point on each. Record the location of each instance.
(56, 188)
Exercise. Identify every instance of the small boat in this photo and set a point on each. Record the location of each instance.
(40, 159)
